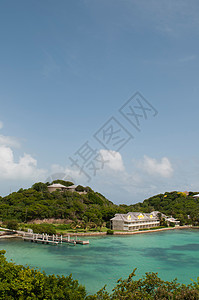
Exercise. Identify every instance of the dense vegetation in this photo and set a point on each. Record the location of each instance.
(37, 203)
(91, 209)
(19, 282)
(179, 205)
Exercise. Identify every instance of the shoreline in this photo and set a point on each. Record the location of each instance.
(9, 236)
(129, 232)
(151, 230)
(116, 233)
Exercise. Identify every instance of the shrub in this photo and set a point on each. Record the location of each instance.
(43, 228)
(19, 282)
(172, 224)
(80, 188)
(40, 187)
(109, 231)
(12, 224)
(158, 227)
(63, 226)
(108, 225)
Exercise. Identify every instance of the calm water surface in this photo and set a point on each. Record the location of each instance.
(171, 253)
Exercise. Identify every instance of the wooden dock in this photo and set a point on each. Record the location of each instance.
(52, 239)
(76, 241)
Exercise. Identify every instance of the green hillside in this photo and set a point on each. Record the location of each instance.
(179, 205)
(38, 203)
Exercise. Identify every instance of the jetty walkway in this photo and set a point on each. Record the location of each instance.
(52, 239)
(42, 238)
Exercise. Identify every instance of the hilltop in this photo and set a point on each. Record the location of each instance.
(38, 203)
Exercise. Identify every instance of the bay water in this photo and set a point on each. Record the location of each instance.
(173, 254)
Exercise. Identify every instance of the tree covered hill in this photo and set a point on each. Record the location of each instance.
(38, 203)
(181, 206)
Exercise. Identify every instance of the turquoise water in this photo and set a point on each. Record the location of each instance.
(171, 253)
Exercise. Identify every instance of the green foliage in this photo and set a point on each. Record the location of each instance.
(109, 231)
(108, 224)
(40, 187)
(80, 188)
(43, 228)
(163, 223)
(63, 182)
(88, 189)
(95, 198)
(176, 204)
(157, 227)
(19, 282)
(12, 224)
(92, 209)
(37, 203)
(149, 287)
(63, 226)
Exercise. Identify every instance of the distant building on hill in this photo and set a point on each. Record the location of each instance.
(60, 187)
(137, 220)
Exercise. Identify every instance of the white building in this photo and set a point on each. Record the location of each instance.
(172, 220)
(60, 187)
(137, 220)
(134, 221)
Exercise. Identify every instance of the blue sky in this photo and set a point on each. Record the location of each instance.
(67, 67)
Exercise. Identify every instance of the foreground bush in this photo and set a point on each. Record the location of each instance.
(149, 287)
(19, 282)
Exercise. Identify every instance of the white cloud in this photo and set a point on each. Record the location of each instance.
(65, 173)
(113, 160)
(153, 167)
(113, 165)
(9, 141)
(25, 168)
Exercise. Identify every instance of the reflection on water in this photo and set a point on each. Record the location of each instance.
(106, 259)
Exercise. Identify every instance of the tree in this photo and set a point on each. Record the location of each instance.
(80, 188)
(40, 187)
(66, 183)
(12, 224)
(19, 282)
(149, 287)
